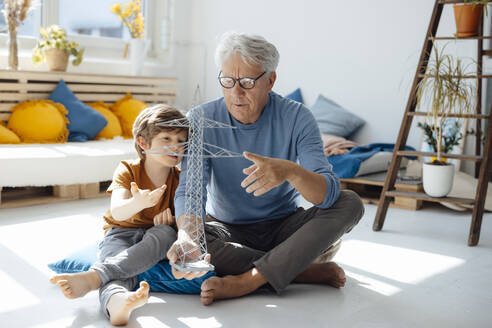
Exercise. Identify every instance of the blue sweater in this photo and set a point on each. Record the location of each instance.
(286, 129)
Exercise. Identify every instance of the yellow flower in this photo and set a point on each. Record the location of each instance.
(126, 12)
(131, 16)
(116, 8)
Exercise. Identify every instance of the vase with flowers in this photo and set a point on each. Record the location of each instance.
(15, 13)
(131, 16)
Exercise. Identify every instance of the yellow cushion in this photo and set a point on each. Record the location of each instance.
(113, 128)
(127, 110)
(39, 121)
(7, 136)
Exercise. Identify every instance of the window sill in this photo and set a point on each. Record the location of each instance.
(94, 65)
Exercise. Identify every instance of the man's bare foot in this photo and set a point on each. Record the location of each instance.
(323, 273)
(121, 305)
(231, 286)
(74, 285)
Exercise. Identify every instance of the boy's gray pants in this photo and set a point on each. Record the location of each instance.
(126, 252)
(282, 248)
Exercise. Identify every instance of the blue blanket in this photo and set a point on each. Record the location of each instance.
(347, 165)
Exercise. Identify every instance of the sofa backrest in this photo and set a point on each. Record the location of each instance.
(18, 86)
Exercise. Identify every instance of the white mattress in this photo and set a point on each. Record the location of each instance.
(61, 164)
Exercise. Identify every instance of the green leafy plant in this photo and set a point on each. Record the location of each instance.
(451, 136)
(448, 89)
(54, 37)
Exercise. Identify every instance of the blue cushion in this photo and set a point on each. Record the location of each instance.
(159, 277)
(85, 122)
(296, 95)
(334, 119)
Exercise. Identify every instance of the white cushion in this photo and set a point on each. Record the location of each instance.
(378, 162)
(62, 164)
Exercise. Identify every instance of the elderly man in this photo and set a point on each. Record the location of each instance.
(256, 233)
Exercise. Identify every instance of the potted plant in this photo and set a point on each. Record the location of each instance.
(56, 49)
(445, 88)
(467, 17)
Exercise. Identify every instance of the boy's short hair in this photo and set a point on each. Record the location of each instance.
(145, 124)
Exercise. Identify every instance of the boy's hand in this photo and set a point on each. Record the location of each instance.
(145, 197)
(164, 217)
(185, 245)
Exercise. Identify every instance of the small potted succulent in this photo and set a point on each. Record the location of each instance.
(56, 49)
(446, 92)
(468, 15)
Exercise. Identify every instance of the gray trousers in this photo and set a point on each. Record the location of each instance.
(282, 248)
(126, 252)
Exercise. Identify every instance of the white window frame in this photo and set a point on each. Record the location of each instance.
(157, 13)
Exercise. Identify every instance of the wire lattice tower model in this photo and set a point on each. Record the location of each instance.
(195, 151)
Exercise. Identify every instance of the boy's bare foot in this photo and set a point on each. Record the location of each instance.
(74, 285)
(121, 305)
(323, 273)
(231, 286)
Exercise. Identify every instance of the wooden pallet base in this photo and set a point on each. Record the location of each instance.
(369, 189)
(26, 196)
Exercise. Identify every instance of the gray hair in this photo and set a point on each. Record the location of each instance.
(252, 48)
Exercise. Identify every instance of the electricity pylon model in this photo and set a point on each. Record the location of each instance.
(195, 151)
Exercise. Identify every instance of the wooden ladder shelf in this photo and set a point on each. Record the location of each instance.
(481, 159)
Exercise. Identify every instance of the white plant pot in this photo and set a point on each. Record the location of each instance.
(437, 179)
(138, 53)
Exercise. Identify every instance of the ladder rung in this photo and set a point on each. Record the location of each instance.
(428, 154)
(444, 2)
(487, 52)
(483, 76)
(479, 116)
(422, 196)
(476, 37)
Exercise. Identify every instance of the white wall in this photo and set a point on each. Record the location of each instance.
(362, 54)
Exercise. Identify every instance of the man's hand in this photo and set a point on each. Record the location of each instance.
(185, 248)
(265, 174)
(146, 198)
(164, 217)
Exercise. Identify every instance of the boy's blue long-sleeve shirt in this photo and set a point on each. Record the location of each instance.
(286, 129)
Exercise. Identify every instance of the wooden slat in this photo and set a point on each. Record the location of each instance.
(5, 107)
(115, 97)
(448, 2)
(4, 116)
(479, 76)
(487, 52)
(121, 89)
(19, 97)
(425, 197)
(88, 78)
(96, 88)
(362, 181)
(481, 116)
(476, 37)
(429, 154)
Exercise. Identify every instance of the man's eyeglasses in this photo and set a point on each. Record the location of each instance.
(244, 82)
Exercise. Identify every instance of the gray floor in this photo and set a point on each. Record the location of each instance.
(417, 272)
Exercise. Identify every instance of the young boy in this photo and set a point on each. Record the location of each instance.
(140, 226)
